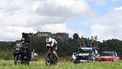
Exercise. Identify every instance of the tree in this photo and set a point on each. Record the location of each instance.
(75, 36)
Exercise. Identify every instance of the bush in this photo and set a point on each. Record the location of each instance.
(6, 55)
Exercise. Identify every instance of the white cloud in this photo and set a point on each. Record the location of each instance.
(54, 28)
(19, 16)
(99, 2)
(102, 2)
(13, 33)
(108, 26)
(118, 9)
(63, 7)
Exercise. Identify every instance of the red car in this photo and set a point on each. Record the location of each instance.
(108, 56)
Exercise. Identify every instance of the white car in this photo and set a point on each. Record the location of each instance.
(84, 54)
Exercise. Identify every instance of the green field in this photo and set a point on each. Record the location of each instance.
(62, 65)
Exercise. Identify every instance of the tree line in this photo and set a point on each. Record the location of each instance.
(65, 47)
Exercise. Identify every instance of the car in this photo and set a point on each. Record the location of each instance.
(108, 56)
(84, 54)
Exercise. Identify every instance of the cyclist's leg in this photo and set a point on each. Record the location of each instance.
(54, 51)
(48, 55)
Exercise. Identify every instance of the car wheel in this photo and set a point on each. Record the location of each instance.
(76, 61)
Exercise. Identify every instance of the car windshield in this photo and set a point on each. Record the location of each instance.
(84, 51)
(108, 54)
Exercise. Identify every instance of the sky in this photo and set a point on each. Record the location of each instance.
(100, 18)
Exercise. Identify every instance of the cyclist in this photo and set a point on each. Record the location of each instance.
(53, 43)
